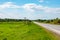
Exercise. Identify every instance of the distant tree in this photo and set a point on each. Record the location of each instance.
(59, 21)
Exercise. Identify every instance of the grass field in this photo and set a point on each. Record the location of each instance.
(21, 31)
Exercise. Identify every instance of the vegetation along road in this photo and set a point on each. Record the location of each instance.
(53, 28)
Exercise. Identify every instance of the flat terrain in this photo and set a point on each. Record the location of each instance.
(22, 31)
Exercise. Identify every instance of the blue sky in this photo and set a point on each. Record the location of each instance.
(31, 9)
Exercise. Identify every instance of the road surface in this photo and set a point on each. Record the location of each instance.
(51, 27)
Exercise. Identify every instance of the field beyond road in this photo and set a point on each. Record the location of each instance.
(22, 31)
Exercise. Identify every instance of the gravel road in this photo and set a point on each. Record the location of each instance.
(51, 27)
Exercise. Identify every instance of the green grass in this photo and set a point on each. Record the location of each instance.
(21, 31)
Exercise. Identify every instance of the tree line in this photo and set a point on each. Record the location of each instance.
(9, 20)
(25, 21)
(52, 21)
(13, 20)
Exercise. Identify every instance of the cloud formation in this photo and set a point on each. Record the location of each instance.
(30, 7)
(8, 5)
(35, 7)
(16, 11)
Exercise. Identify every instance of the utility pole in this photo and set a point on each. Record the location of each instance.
(25, 20)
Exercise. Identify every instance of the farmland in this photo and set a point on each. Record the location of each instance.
(22, 31)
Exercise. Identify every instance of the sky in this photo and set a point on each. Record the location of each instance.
(31, 9)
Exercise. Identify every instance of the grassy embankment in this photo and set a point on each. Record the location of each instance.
(21, 31)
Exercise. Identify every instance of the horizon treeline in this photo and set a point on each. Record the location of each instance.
(10, 20)
(13, 20)
(52, 21)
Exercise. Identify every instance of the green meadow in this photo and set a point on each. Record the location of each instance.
(22, 31)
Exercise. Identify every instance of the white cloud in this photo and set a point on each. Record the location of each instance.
(41, 1)
(8, 5)
(29, 7)
(32, 7)
(52, 10)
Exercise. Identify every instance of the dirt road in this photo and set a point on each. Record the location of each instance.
(51, 27)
